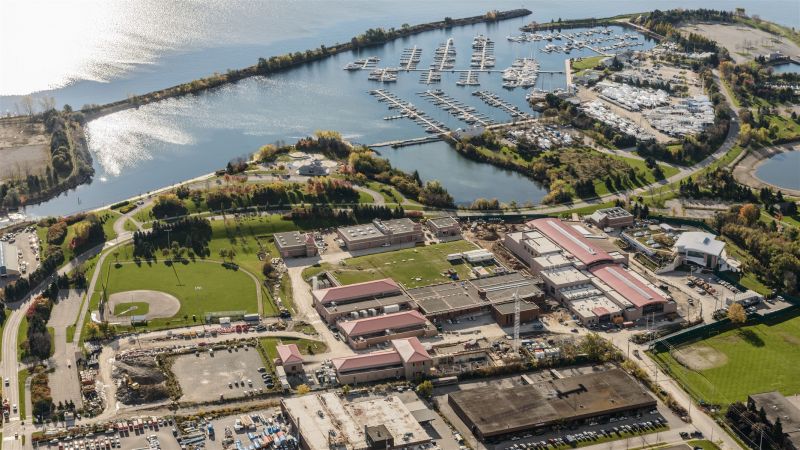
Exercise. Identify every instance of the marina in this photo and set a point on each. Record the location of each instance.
(362, 64)
(430, 76)
(444, 57)
(602, 41)
(496, 101)
(410, 58)
(456, 108)
(482, 53)
(385, 75)
(522, 73)
(468, 78)
(408, 110)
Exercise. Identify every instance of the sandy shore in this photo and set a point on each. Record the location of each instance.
(745, 170)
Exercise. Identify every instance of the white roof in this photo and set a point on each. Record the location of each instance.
(699, 241)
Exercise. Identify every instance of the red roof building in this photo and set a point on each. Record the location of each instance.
(362, 333)
(408, 359)
(290, 358)
(629, 286)
(569, 239)
(358, 291)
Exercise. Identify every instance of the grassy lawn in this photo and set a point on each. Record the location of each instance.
(306, 346)
(52, 332)
(704, 444)
(70, 333)
(108, 217)
(22, 336)
(131, 308)
(222, 289)
(22, 376)
(414, 267)
(129, 226)
(751, 359)
(584, 64)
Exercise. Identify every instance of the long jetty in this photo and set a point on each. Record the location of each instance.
(407, 109)
(264, 68)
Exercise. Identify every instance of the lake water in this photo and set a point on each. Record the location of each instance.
(116, 47)
(782, 170)
(786, 68)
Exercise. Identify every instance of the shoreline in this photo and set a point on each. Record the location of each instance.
(745, 170)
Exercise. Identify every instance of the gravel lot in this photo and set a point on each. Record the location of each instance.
(206, 377)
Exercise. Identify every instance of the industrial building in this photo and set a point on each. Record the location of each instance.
(504, 313)
(444, 227)
(354, 301)
(293, 244)
(703, 249)
(377, 329)
(447, 300)
(493, 412)
(327, 421)
(9, 261)
(407, 359)
(776, 406)
(380, 233)
(615, 217)
(290, 358)
(591, 282)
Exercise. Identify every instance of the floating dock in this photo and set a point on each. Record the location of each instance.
(430, 76)
(455, 108)
(495, 101)
(444, 58)
(385, 75)
(407, 109)
(410, 58)
(482, 53)
(363, 64)
(407, 142)
(468, 78)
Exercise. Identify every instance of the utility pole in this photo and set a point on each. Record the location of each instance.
(516, 321)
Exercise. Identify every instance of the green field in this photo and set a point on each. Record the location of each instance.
(22, 376)
(752, 359)
(131, 308)
(413, 267)
(306, 346)
(200, 286)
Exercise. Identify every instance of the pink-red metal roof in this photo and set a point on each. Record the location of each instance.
(366, 289)
(570, 240)
(628, 285)
(394, 321)
(411, 350)
(289, 353)
(365, 361)
(600, 311)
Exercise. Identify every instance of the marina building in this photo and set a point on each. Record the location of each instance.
(355, 301)
(293, 244)
(496, 412)
(380, 233)
(703, 249)
(326, 421)
(407, 359)
(373, 330)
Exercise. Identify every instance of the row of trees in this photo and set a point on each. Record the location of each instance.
(775, 253)
(189, 232)
(753, 425)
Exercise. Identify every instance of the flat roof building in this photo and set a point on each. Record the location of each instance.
(362, 333)
(327, 421)
(356, 300)
(444, 227)
(407, 359)
(776, 406)
(493, 411)
(615, 217)
(293, 244)
(9, 261)
(503, 313)
(380, 233)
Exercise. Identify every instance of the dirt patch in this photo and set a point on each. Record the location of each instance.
(141, 381)
(23, 149)
(161, 305)
(790, 338)
(744, 43)
(700, 357)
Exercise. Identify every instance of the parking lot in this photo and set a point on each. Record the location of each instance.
(231, 374)
(27, 245)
